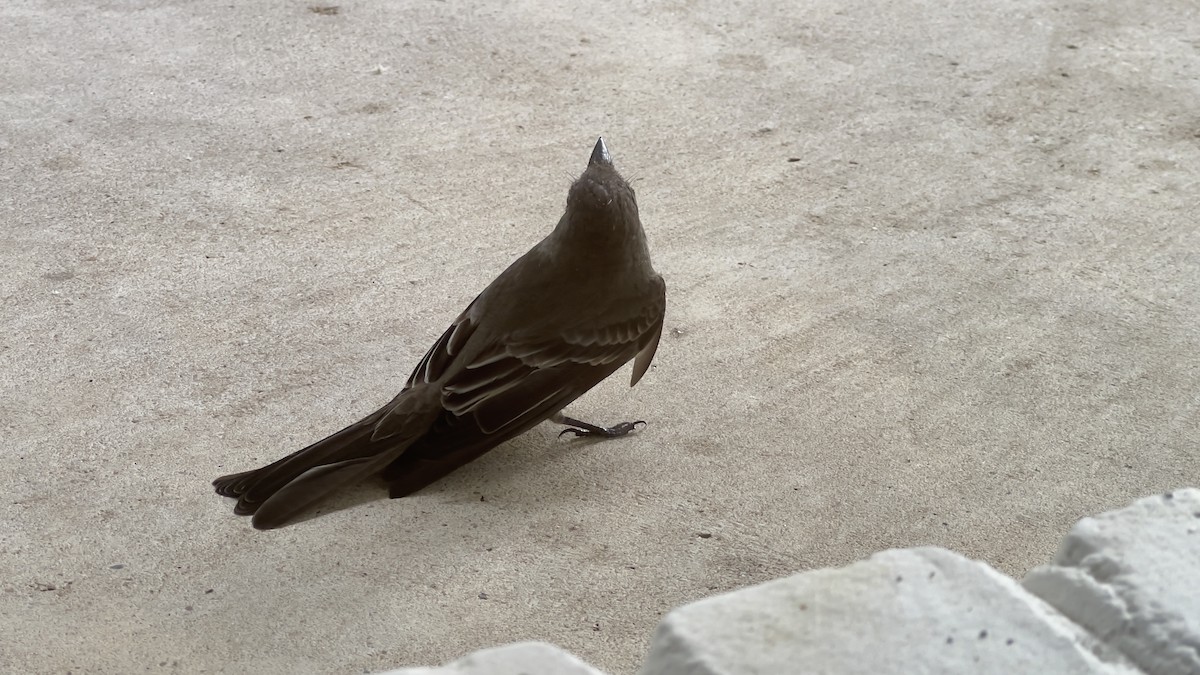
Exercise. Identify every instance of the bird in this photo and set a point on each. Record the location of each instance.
(571, 311)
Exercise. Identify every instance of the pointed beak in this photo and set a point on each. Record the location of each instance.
(600, 154)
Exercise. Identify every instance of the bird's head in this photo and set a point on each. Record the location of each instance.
(601, 193)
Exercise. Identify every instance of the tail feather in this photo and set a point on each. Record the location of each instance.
(234, 484)
(318, 481)
(310, 487)
(252, 488)
(277, 492)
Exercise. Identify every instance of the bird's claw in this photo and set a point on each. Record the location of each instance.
(605, 432)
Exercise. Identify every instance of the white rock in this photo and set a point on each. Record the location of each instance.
(519, 658)
(1132, 577)
(914, 611)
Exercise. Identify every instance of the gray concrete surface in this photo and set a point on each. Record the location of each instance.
(932, 269)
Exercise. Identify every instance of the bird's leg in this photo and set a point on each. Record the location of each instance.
(578, 428)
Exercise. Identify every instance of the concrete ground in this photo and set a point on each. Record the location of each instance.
(933, 277)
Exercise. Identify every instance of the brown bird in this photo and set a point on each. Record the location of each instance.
(567, 314)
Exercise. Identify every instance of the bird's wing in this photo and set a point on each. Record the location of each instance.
(516, 380)
(649, 339)
(523, 376)
(506, 391)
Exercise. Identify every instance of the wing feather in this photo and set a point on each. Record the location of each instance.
(512, 383)
(515, 376)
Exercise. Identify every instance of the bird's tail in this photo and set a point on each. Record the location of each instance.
(279, 491)
(253, 488)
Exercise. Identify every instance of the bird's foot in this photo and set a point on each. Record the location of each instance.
(579, 428)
